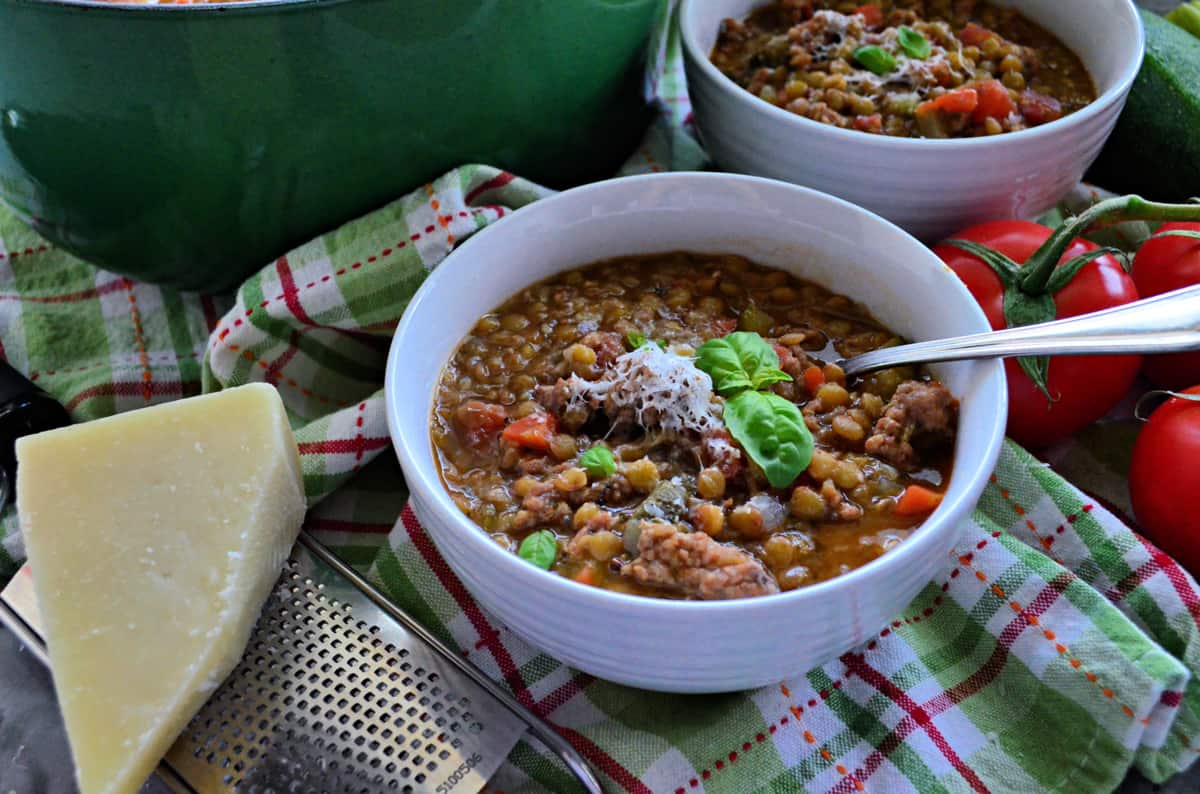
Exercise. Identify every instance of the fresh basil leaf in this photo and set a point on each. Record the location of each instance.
(913, 43)
(875, 58)
(720, 360)
(540, 548)
(773, 433)
(764, 378)
(599, 462)
(637, 340)
(740, 361)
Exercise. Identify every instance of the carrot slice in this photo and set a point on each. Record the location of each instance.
(534, 431)
(586, 575)
(917, 501)
(994, 102)
(814, 378)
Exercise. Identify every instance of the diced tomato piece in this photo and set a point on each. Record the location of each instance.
(873, 123)
(994, 102)
(1039, 108)
(960, 101)
(917, 501)
(975, 35)
(534, 431)
(480, 421)
(872, 15)
(963, 100)
(814, 378)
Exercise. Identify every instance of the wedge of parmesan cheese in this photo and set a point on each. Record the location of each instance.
(154, 538)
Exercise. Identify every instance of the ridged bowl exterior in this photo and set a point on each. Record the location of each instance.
(673, 645)
(931, 188)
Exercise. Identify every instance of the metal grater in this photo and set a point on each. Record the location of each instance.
(338, 692)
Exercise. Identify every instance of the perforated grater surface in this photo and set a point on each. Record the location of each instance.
(338, 692)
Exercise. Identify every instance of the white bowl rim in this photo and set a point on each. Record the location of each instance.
(1118, 89)
(428, 485)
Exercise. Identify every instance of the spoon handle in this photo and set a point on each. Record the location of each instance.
(1167, 323)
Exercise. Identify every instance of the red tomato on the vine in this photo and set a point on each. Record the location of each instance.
(1083, 388)
(1164, 479)
(1163, 264)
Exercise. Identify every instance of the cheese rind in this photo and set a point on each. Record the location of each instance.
(154, 537)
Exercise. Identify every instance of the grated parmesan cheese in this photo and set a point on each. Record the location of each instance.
(659, 388)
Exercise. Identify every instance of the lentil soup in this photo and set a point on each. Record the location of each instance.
(909, 68)
(607, 425)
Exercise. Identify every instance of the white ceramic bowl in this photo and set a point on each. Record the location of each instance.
(676, 645)
(932, 188)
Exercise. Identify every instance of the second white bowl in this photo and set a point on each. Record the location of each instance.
(932, 188)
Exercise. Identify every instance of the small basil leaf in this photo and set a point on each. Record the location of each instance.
(914, 44)
(540, 548)
(720, 361)
(599, 462)
(637, 340)
(764, 378)
(773, 433)
(875, 58)
(740, 361)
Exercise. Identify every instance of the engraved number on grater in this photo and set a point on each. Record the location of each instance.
(321, 703)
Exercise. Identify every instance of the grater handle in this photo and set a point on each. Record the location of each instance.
(563, 749)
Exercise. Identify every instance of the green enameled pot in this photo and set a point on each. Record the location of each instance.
(189, 145)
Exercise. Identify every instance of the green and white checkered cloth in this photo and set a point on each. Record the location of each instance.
(1054, 651)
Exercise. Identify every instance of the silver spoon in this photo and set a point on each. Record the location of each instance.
(1167, 323)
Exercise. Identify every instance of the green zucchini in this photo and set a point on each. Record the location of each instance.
(1155, 149)
(1187, 16)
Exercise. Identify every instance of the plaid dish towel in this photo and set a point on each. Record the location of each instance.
(1053, 652)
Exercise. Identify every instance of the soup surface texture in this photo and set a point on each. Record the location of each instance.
(909, 68)
(639, 424)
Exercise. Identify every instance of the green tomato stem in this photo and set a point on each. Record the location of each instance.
(1041, 264)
